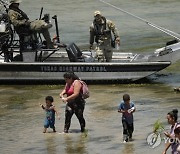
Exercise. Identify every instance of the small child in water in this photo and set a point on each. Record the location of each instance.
(50, 114)
(127, 108)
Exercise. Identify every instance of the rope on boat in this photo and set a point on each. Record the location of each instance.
(164, 30)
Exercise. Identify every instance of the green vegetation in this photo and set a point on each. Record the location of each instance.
(158, 127)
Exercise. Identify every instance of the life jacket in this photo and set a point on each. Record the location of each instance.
(99, 29)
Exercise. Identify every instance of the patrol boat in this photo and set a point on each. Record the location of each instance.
(43, 64)
(124, 66)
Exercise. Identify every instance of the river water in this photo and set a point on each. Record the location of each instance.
(21, 117)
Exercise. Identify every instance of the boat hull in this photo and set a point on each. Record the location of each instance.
(17, 71)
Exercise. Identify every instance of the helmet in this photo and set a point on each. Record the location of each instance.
(97, 13)
(15, 1)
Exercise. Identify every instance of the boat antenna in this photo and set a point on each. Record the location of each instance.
(164, 30)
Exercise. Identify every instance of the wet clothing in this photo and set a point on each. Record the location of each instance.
(101, 33)
(128, 130)
(50, 118)
(78, 109)
(174, 146)
(74, 106)
(22, 24)
(128, 117)
(127, 120)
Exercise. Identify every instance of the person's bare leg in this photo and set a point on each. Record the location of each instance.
(54, 129)
(44, 131)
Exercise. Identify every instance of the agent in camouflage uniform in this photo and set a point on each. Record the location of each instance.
(22, 24)
(101, 31)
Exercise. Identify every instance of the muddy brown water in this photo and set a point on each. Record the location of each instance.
(21, 118)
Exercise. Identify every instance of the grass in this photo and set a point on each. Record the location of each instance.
(158, 127)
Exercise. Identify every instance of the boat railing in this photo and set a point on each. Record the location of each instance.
(134, 57)
(174, 46)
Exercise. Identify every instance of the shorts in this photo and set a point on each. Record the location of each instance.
(49, 123)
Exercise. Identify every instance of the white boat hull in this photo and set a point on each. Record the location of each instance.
(87, 71)
(124, 66)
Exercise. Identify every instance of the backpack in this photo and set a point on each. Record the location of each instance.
(85, 90)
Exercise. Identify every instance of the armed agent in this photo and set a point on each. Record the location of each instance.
(22, 24)
(102, 31)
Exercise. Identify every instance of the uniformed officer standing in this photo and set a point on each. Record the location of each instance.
(101, 31)
(21, 22)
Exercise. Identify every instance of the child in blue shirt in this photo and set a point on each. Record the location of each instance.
(127, 108)
(50, 114)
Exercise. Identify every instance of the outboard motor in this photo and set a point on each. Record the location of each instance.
(74, 53)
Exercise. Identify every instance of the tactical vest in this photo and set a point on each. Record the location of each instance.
(100, 30)
(23, 15)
